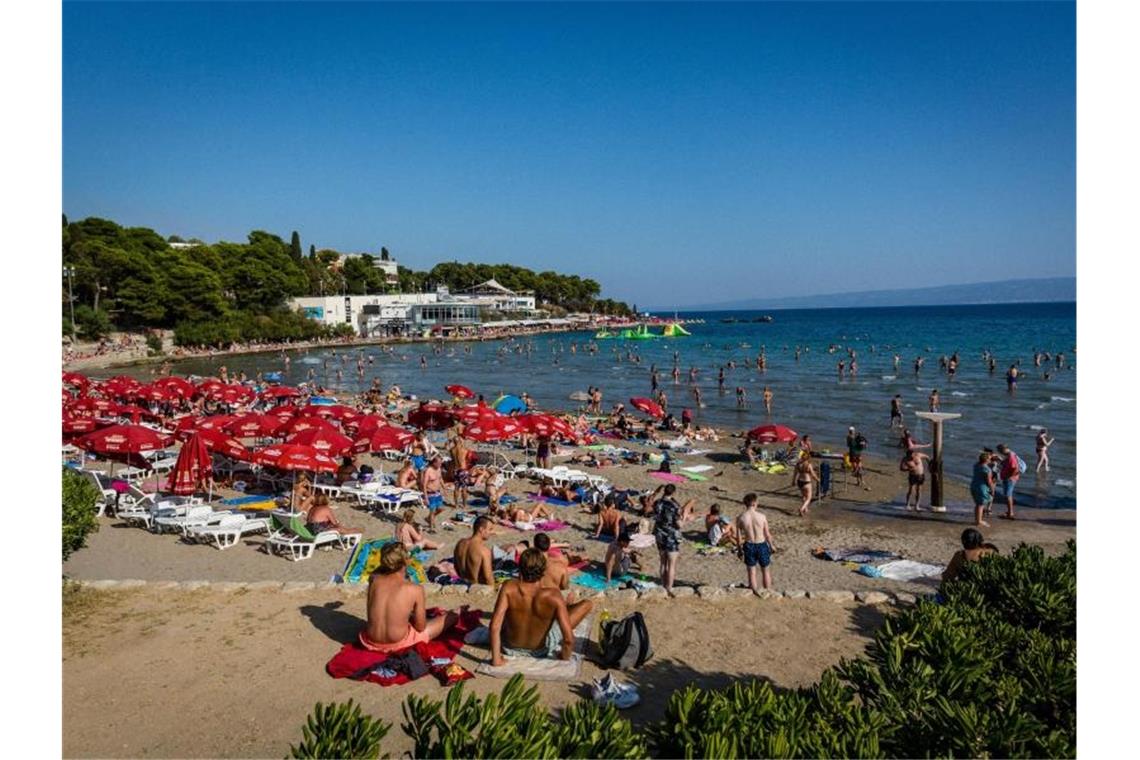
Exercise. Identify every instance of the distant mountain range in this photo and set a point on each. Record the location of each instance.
(1002, 291)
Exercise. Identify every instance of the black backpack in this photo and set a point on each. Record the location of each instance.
(625, 643)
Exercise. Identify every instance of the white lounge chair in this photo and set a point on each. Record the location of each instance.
(177, 519)
(228, 530)
(106, 493)
(293, 540)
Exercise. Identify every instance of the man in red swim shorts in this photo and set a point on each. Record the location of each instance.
(397, 613)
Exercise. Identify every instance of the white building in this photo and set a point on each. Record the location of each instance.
(401, 313)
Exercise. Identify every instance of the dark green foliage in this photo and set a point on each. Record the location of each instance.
(586, 729)
(131, 278)
(340, 730)
(989, 673)
(92, 324)
(154, 344)
(752, 719)
(513, 724)
(79, 497)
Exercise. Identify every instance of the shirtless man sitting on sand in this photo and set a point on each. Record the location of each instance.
(532, 620)
(397, 613)
(473, 560)
(610, 520)
(408, 534)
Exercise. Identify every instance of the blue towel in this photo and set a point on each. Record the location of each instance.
(235, 500)
(597, 581)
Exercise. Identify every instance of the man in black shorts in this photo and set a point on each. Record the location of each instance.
(756, 542)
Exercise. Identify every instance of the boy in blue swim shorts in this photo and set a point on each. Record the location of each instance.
(755, 540)
(432, 486)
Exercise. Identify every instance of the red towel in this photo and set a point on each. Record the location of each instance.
(356, 662)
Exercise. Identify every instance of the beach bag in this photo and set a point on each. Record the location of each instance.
(624, 643)
(1021, 466)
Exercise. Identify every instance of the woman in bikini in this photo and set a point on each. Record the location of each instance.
(803, 477)
(320, 518)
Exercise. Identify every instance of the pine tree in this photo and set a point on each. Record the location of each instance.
(295, 246)
(312, 251)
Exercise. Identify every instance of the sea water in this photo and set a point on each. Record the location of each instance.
(808, 394)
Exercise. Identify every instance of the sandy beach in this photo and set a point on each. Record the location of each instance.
(874, 518)
(210, 674)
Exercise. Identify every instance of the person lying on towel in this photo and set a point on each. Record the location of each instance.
(571, 494)
(397, 617)
(530, 620)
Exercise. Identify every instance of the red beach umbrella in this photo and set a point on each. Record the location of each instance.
(294, 457)
(652, 408)
(280, 392)
(194, 467)
(773, 434)
(215, 421)
(123, 439)
(460, 391)
(76, 380)
(74, 425)
(220, 442)
(366, 423)
(384, 438)
(301, 424)
(546, 425)
(231, 394)
(90, 405)
(134, 412)
(324, 440)
(179, 386)
(121, 386)
(209, 384)
(489, 429)
(431, 417)
(253, 425)
(335, 411)
(154, 393)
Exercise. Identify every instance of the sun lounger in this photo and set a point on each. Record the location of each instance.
(107, 494)
(228, 530)
(391, 499)
(175, 517)
(292, 540)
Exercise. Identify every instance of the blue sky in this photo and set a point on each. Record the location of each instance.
(676, 153)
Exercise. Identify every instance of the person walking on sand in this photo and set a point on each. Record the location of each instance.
(856, 445)
(803, 478)
(767, 400)
(667, 535)
(982, 487)
(756, 542)
(915, 468)
(1043, 444)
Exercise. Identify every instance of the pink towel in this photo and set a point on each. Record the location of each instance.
(549, 526)
(669, 477)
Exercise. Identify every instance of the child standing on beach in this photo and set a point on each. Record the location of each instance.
(756, 542)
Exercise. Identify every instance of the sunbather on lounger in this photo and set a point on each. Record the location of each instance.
(321, 518)
(397, 617)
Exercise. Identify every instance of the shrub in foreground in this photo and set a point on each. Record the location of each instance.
(513, 724)
(990, 672)
(79, 497)
(340, 730)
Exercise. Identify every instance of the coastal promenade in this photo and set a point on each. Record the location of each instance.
(133, 350)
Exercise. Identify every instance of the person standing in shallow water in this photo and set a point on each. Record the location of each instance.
(1043, 444)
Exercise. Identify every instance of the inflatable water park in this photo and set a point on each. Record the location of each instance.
(642, 332)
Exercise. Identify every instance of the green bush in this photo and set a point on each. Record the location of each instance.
(513, 724)
(154, 344)
(989, 672)
(79, 497)
(92, 324)
(340, 730)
